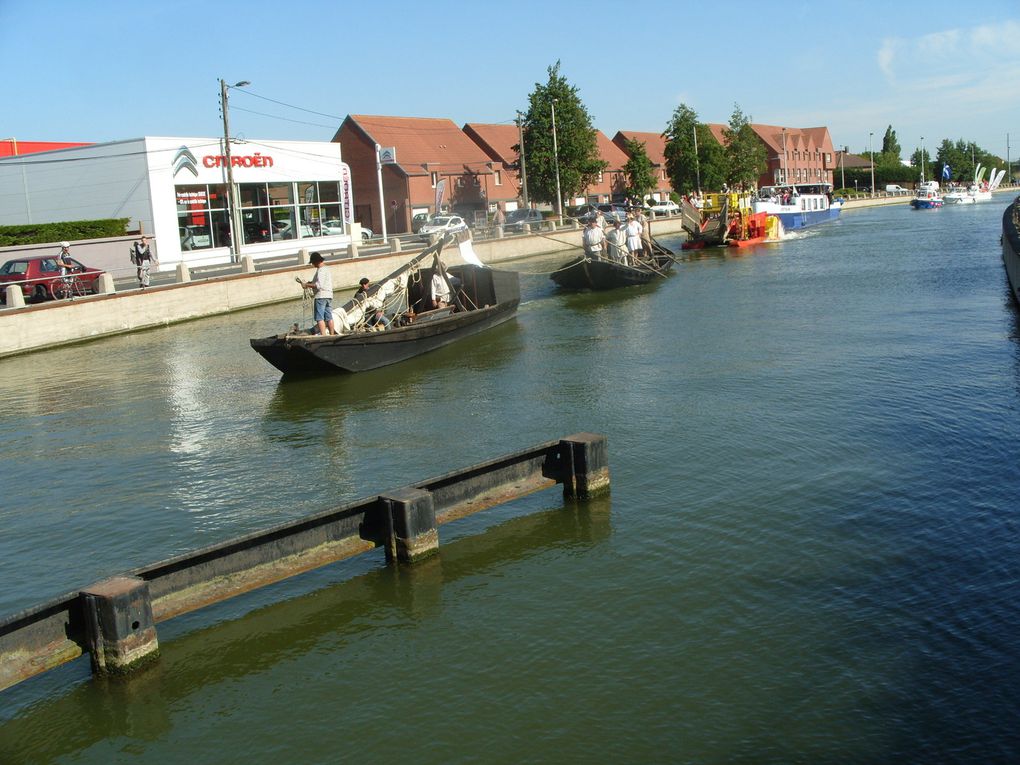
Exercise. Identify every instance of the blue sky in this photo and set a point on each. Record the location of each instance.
(105, 70)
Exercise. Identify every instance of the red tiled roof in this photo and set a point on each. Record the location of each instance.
(421, 140)
(655, 144)
(498, 140)
(610, 152)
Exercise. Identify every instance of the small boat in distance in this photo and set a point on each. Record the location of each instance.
(798, 205)
(927, 197)
(481, 298)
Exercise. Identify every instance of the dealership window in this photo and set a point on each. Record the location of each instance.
(279, 211)
(202, 216)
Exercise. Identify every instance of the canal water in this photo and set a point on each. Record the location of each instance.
(810, 553)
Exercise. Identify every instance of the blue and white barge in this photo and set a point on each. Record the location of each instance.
(798, 205)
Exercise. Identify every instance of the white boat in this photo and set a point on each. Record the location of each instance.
(798, 205)
(928, 196)
(979, 190)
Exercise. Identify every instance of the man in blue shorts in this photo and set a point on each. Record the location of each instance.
(322, 283)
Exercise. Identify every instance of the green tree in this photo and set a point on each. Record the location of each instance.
(921, 163)
(578, 152)
(890, 146)
(639, 171)
(686, 171)
(745, 153)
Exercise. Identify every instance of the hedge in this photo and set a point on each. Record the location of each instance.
(72, 230)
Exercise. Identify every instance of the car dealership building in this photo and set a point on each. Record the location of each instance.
(291, 194)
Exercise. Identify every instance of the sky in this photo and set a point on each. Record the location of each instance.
(106, 70)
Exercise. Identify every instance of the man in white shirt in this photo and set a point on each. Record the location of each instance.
(594, 240)
(322, 283)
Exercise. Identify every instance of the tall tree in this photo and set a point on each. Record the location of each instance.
(686, 171)
(681, 163)
(639, 171)
(745, 153)
(890, 145)
(578, 152)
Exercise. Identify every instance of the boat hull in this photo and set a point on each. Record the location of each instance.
(360, 352)
(926, 204)
(1011, 247)
(584, 274)
(804, 219)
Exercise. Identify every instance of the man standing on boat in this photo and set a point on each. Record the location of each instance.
(617, 239)
(322, 283)
(594, 240)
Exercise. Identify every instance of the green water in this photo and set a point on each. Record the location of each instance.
(809, 553)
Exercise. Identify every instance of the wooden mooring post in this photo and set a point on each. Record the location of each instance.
(114, 621)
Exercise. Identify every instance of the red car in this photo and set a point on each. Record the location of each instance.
(40, 278)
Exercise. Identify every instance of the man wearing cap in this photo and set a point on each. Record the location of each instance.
(322, 283)
(594, 240)
(62, 259)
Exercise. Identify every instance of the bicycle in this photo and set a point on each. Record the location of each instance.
(68, 286)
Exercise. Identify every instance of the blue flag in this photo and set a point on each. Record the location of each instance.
(946, 175)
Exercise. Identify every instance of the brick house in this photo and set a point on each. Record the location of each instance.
(431, 156)
(498, 142)
(655, 148)
(611, 184)
(794, 155)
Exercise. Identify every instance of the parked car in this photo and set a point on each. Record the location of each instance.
(442, 224)
(39, 276)
(665, 207)
(582, 213)
(894, 189)
(419, 220)
(613, 213)
(515, 219)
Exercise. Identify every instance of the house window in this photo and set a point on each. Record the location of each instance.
(662, 174)
(600, 177)
(435, 179)
(499, 178)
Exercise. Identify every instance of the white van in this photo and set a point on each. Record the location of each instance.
(894, 189)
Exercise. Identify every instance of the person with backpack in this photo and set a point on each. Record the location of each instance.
(142, 257)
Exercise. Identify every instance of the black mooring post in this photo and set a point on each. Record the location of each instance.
(585, 458)
(120, 628)
(412, 530)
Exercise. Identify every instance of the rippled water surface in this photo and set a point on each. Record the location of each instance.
(810, 553)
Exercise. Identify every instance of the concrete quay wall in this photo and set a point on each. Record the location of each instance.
(51, 324)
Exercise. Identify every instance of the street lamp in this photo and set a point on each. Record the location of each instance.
(922, 160)
(786, 179)
(556, 158)
(524, 173)
(872, 153)
(232, 220)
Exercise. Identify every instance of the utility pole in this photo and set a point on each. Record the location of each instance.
(871, 151)
(524, 173)
(842, 175)
(556, 157)
(697, 162)
(232, 220)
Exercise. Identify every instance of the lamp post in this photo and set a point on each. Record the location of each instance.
(842, 174)
(232, 220)
(556, 158)
(382, 201)
(697, 162)
(872, 153)
(922, 159)
(524, 173)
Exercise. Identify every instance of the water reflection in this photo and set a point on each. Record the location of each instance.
(315, 631)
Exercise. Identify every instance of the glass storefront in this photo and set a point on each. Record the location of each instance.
(270, 212)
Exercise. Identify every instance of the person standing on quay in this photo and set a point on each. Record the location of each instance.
(141, 256)
(322, 283)
(65, 265)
